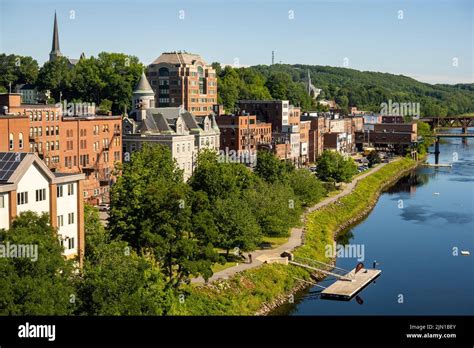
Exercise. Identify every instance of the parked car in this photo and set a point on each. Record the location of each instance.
(265, 245)
(104, 207)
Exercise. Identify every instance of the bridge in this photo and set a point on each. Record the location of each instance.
(454, 135)
(459, 121)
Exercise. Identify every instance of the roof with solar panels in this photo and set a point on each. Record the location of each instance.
(13, 165)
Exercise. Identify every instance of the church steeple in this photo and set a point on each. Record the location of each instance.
(55, 52)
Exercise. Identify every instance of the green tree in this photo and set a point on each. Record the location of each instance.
(275, 207)
(306, 186)
(117, 281)
(229, 85)
(17, 69)
(236, 224)
(217, 178)
(86, 81)
(105, 107)
(119, 74)
(270, 168)
(55, 76)
(151, 210)
(374, 158)
(333, 167)
(35, 287)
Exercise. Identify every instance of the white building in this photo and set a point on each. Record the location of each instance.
(26, 184)
(174, 127)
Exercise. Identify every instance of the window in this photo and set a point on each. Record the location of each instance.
(2, 201)
(70, 243)
(40, 195)
(70, 218)
(11, 141)
(22, 198)
(20, 140)
(70, 189)
(59, 191)
(57, 130)
(60, 221)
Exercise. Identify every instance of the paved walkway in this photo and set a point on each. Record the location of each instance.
(296, 234)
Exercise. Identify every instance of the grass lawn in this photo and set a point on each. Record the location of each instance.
(218, 267)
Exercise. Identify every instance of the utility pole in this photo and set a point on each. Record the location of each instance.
(273, 57)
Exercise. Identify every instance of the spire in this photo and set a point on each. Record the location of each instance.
(55, 52)
(143, 86)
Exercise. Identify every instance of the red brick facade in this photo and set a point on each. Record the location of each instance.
(70, 144)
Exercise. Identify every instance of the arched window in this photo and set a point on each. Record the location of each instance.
(12, 142)
(200, 71)
(163, 72)
(202, 84)
(20, 140)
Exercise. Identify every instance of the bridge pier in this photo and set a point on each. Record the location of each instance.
(437, 152)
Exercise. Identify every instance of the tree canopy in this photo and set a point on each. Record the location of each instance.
(334, 167)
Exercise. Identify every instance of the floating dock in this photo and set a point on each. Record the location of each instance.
(437, 165)
(344, 289)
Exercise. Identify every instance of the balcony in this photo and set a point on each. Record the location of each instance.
(104, 180)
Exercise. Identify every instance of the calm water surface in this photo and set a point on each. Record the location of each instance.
(413, 245)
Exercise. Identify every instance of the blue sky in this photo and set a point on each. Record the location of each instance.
(423, 44)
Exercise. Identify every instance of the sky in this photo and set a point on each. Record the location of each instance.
(429, 40)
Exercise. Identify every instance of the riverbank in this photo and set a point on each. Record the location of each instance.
(259, 290)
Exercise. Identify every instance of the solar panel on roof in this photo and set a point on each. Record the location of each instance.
(9, 162)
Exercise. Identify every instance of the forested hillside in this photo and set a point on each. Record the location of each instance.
(349, 87)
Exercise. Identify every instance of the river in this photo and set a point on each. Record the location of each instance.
(414, 233)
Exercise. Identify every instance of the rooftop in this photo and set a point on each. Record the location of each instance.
(180, 57)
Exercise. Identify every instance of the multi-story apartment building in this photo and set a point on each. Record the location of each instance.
(316, 135)
(181, 79)
(276, 112)
(305, 127)
(285, 120)
(89, 144)
(243, 132)
(27, 184)
(174, 127)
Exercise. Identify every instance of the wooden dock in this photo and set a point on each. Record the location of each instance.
(437, 165)
(346, 289)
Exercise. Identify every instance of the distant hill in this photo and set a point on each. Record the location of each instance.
(367, 90)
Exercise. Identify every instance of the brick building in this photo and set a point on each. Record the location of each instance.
(88, 144)
(276, 112)
(392, 119)
(243, 132)
(305, 127)
(183, 79)
(315, 135)
(388, 135)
